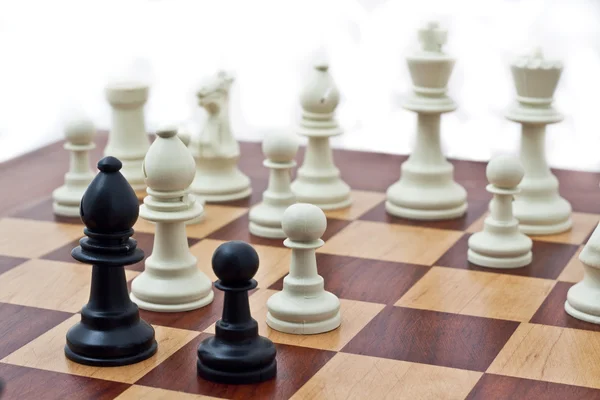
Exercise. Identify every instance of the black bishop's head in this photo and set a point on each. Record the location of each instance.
(109, 205)
(235, 263)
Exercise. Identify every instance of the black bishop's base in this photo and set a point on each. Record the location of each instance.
(111, 332)
(236, 354)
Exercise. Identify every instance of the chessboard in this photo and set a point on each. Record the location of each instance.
(419, 321)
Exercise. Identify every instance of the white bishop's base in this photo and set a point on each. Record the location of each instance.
(175, 294)
(288, 313)
(426, 202)
(543, 216)
(219, 180)
(583, 299)
(500, 245)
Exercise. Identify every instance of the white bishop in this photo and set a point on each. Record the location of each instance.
(171, 281)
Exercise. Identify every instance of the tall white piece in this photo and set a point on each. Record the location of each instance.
(539, 207)
(128, 140)
(501, 244)
(303, 306)
(79, 134)
(583, 299)
(318, 180)
(171, 281)
(218, 178)
(279, 148)
(426, 189)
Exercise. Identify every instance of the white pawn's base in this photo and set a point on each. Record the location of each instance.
(67, 199)
(583, 302)
(160, 307)
(497, 262)
(500, 245)
(303, 315)
(65, 210)
(544, 216)
(328, 195)
(265, 219)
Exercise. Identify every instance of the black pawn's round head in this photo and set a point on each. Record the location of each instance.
(235, 263)
(109, 205)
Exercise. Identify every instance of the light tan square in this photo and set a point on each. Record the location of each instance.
(274, 261)
(552, 354)
(583, 225)
(573, 272)
(483, 294)
(362, 201)
(47, 353)
(30, 239)
(350, 376)
(215, 217)
(136, 392)
(49, 284)
(391, 242)
(355, 315)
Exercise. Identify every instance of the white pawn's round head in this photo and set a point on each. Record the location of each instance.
(80, 131)
(303, 222)
(280, 146)
(169, 166)
(505, 172)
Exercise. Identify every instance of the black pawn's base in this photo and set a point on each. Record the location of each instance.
(251, 362)
(112, 348)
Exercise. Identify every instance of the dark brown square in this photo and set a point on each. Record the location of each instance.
(42, 211)
(552, 311)
(475, 210)
(430, 337)
(492, 386)
(7, 262)
(21, 324)
(196, 320)
(295, 366)
(29, 383)
(549, 259)
(365, 280)
(238, 230)
(145, 241)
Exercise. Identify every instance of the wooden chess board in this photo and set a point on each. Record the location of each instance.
(419, 321)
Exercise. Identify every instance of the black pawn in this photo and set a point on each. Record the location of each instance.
(236, 354)
(111, 332)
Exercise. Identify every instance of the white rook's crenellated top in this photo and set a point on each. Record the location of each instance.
(171, 281)
(539, 207)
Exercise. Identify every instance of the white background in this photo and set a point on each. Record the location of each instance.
(56, 57)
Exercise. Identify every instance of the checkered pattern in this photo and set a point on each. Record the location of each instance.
(419, 321)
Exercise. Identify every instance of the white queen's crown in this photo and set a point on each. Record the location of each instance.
(535, 77)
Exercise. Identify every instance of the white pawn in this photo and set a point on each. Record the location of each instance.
(303, 306)
(265, 218)
(583, 299)
(79, 134)
(501, 244)
(171, 281)
(185, 136)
